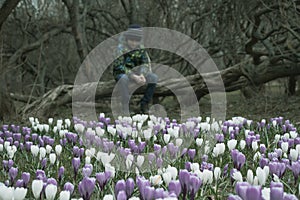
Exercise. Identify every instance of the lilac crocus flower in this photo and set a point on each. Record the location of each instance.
(122, 195)
(195, 183)
(184, 178)
(296, 170)
(276, 191)
(175, 186)
(26, 178)
(102, 179)
(76, 164)
(149, 193)
(51, 181)
(159, 193)
(61, 172)
(120, 185)
(69, 187)
(13, 172)
(192, 153)
(129, 187)
(86, 187)
(254, 192)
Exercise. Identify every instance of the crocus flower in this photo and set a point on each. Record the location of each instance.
(102, 178)
(19, 193)
(174, 186)
(61, 172)
(184, 178)
(76, 164)
(194, 186)
(120, 185)
(50, 191)
(122, 195)
(37, 187)
(13, 172)
(86, 187)
(64, 195)
(69, 187)
(129, 187)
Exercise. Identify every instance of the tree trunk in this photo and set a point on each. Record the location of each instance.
(6, 9)
(234, 78)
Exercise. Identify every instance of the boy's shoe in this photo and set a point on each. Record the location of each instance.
(144, 108)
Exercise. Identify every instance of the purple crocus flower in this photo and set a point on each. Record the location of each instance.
(13, 172)
(276, 191)
(26, 178)
(61, 172)
(241, 189)
(159, 193)
(19, 183)
(120, 185)
(241, 159)
(195, 183)
(142, 183)
(76, 164)
(44, 163)
(184, 178)
(69, 187)
(86, 187)
(51, 181)
(129, 187)
(149, 193)
(192, 153)
(296, 170)
(102, 178)
(40, 175)
(122, 195)
(234, 197)
(175, 186)
(254, 192)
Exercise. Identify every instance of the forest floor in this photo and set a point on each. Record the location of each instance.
(273, 102)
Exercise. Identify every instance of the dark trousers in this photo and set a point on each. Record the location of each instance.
(124, 80)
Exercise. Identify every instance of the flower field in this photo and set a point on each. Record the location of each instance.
(146, 157)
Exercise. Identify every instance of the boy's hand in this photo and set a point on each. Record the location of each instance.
(139, 79)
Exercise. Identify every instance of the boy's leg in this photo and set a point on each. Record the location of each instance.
(151, 79)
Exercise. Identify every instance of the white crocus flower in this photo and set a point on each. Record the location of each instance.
(50, 191)
(250, 176)
(140, 160)
(294, 154)
(199, 142)
(254, 145)
(46, 127)
(87, 160)
(293, 134)
(1, 147)
(64, 195)
(105, 158)
(31, 119)
(68, 123)
(108, 197)
(167, 177)
(277, 138)
(238, 176)
(6, 193)
(48, 148)
(129, 161)
(137, 198)
(217, 173)
(80, 128)
(40, 127)
(231, 144)
(99, 131)
(178, 142)
(156, 180)
(207, 176)
(261, 175)
(173, 171)
(298, 148)
(285, 146)
(265, 193)
(195, 167)
(58, 149)
(110, 169)
(50, 121)
(34, 150)
(52, 158)
(167, 138)
(37, 186)
(42, 152)
(20, 193)
(255, 180)
(147, 134)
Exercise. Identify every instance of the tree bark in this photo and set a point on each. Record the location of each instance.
(234, 78)
(6, 9)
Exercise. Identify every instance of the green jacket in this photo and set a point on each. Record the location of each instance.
(135, 61)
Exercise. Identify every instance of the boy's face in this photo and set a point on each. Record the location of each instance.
(133, 43)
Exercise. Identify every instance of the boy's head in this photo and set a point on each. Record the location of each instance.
(134, 33)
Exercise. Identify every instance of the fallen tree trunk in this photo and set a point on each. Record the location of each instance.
(234, 78)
